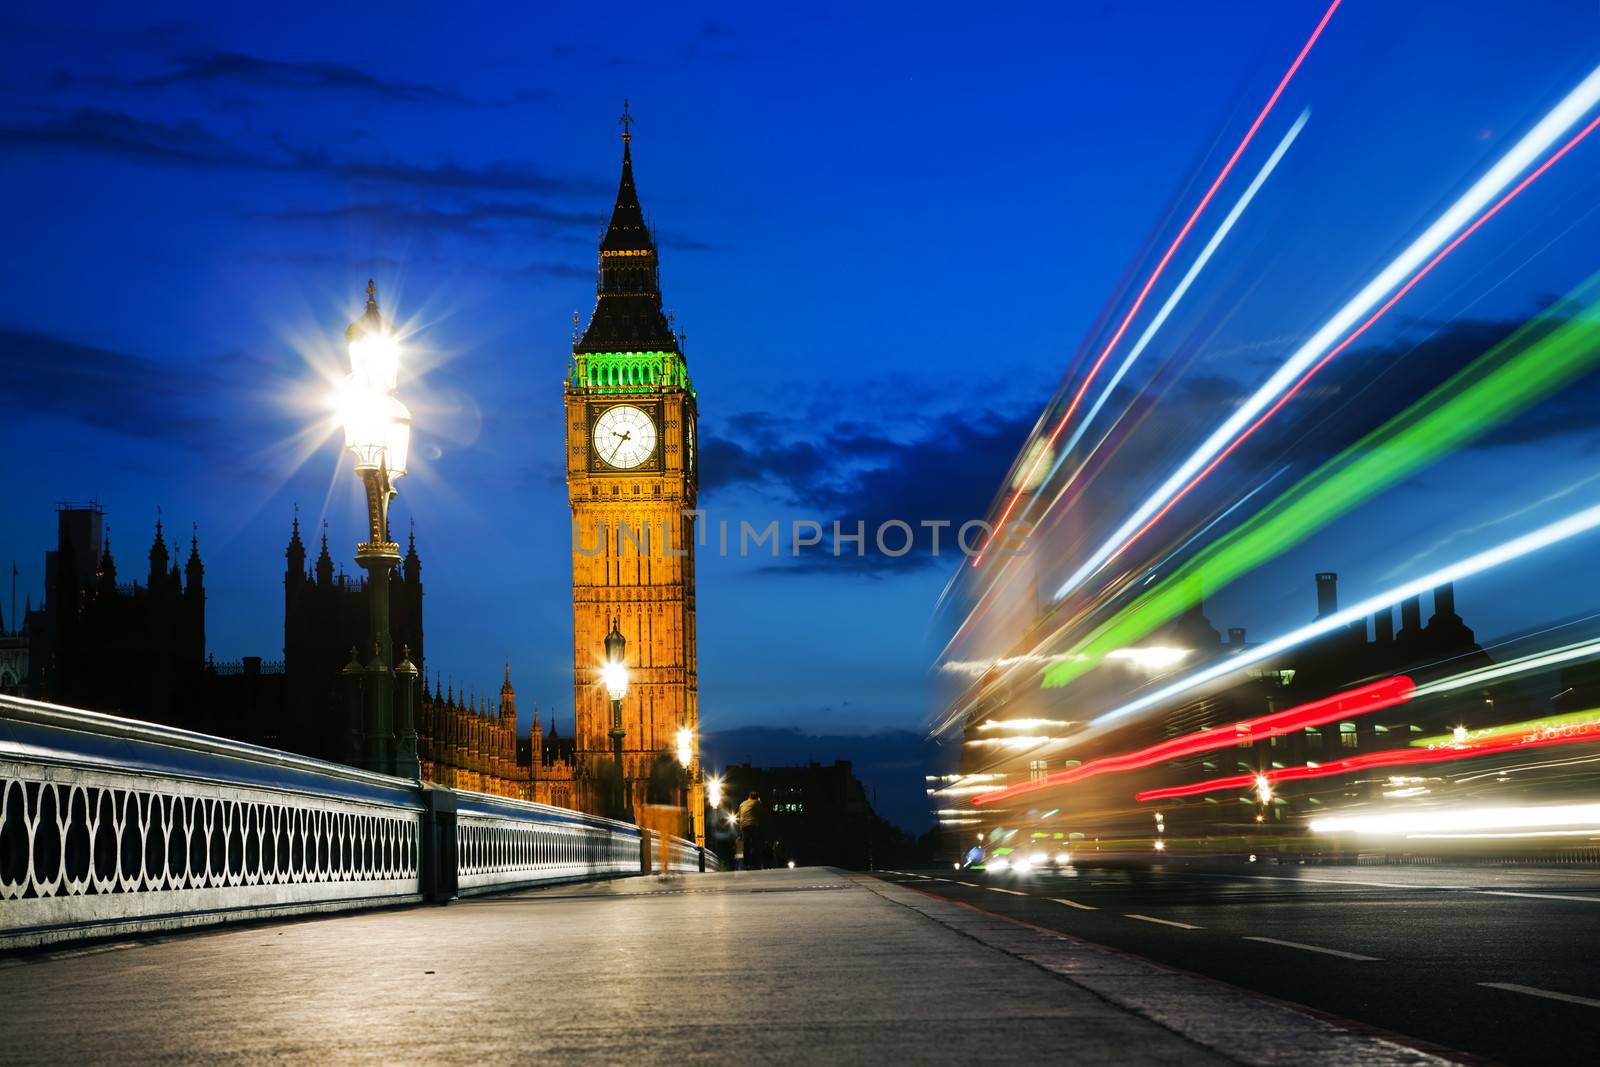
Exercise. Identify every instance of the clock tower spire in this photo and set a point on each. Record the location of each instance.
(632, 482)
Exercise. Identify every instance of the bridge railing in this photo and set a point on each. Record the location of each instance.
(110, 826)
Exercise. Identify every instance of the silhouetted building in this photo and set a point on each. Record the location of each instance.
(325, 617)
(816, 815)
(134, 648)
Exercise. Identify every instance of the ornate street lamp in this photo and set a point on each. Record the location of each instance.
(615, 676)
(377, 430)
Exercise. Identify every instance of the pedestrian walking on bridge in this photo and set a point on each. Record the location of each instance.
(752, 836)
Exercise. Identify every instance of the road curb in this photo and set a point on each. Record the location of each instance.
(1246, 1027)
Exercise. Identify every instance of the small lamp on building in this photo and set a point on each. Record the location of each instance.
(614, 674)
(377, 431)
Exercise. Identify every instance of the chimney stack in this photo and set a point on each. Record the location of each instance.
(1327, 594)
(1444, 601)
(1383, 626)
(1410, 616)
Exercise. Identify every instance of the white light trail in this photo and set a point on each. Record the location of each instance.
(1463, 821)
(1523, 665)
(1153, 658)
(1573, 107)
(1545, 536)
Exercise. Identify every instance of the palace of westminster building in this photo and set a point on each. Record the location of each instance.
(139, 648)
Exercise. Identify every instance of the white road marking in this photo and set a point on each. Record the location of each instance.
(1013, 892)
(1326, 881)
(1314, 948)
(1074, 904)
(1547, 994)
(1163, 922)
(970, 885)
(1536, 896)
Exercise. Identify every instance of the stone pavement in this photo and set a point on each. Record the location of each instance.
(802, 966)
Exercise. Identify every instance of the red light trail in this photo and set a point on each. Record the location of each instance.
(1360, 701)
(1161, 265)
(1374, 317)
(1399, 757)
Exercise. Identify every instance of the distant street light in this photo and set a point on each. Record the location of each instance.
(614, 673)
(377, 430)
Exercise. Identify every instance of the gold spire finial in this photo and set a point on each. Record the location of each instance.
(626, 121)
(372, 296)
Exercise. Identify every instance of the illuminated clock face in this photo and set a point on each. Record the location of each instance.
(624, 436)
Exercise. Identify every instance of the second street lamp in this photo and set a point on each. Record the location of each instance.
(615, 676)
(377, 430)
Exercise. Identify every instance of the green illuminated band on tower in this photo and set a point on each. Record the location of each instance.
(629, 372)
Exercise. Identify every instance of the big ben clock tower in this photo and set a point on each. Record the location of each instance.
(631, 480)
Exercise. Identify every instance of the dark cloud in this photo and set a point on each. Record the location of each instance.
(557, 270)
(106, 390)
(117, 134)
(470, 218)
(236, 68)
(500, 176)
(189, 144)
(944, 469)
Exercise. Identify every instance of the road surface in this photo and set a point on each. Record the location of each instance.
(1500, 963)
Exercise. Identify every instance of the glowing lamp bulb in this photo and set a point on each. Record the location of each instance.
(1263, 789)
(685, 740)
(615, 677)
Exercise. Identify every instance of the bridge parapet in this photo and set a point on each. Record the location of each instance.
(110, 826)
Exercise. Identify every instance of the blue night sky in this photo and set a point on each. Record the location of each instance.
(886, 235)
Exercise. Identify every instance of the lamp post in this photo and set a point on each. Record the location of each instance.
(377, 430)
(615, 676)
